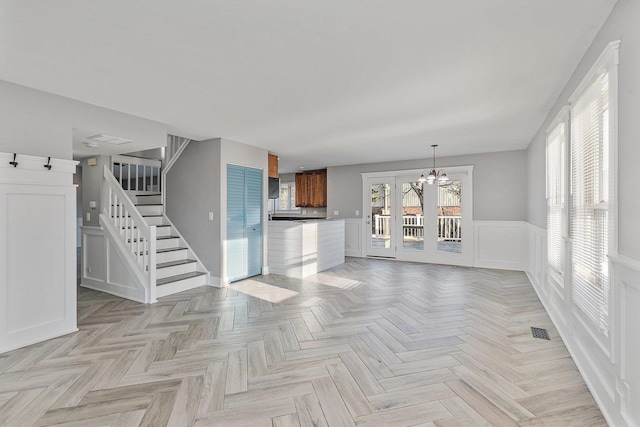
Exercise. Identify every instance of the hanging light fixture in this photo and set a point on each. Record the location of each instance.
(434, 175)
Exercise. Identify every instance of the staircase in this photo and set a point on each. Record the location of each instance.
(157, 259)
(177, 269)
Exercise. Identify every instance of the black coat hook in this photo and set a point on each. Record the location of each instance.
(14, 163)
(48, 165)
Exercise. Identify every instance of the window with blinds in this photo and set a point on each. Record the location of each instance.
(556, 169)
(591, 200)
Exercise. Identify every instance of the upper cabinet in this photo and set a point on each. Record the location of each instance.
(273, 166)
(311, 189)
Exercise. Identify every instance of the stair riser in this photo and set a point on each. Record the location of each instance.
(181, 285)
(171, 256)
(153, 220)
(150, 210)
(148, 200)
(163, 231)
(167, 243)
(161, 273)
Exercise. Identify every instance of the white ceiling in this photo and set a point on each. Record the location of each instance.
(320, 83)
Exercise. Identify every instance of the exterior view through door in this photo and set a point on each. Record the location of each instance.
(244, 222)
(411, 221)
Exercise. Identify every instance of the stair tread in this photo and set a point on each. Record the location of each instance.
(150, 194)
(159, 238)
(159, 251)
(171, 279)
(167, 237)
(149, 204)
(174, 263)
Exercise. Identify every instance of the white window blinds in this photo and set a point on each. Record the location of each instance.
(556, 143)
(590, 201)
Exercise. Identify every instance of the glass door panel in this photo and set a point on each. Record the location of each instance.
(380, 217)
(449, 213)
(412, 216)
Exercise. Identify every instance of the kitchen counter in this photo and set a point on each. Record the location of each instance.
(302, 247)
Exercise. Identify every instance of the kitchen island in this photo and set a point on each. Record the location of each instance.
(300, 248)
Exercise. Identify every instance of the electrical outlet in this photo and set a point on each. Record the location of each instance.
(336, 213)
(315, 211)
(210, 216)
(88, 270)
(357, 212)
(304, 211)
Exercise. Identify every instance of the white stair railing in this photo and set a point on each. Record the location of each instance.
(136, 173)
(123, 219)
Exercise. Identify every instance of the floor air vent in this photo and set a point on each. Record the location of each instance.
(540, 333)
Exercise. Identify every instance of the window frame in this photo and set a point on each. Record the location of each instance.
(292, 191)
(562, 118)
(607, 62)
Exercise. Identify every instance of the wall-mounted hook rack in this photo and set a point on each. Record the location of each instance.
(48, 165)
(14, 163)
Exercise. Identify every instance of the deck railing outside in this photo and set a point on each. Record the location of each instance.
(449, 227)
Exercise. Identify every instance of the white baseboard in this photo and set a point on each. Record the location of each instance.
(37, 340)
(112, 289)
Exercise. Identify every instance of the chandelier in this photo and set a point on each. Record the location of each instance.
(434, 175)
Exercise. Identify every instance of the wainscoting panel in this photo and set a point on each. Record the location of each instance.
(500, 244)
(37, 263)
(104, 270)
(609, 364)
(353, 237)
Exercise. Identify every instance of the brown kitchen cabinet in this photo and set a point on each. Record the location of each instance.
(273, 166)
(311, 189)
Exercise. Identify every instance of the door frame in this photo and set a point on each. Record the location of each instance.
(430, 253)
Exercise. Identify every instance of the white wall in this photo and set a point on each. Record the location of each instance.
(499, 184)
(609, 364)
(41, 124)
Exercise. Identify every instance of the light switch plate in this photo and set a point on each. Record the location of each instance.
(210, 216)
(88, 216)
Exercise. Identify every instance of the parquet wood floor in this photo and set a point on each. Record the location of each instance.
(371, 343)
